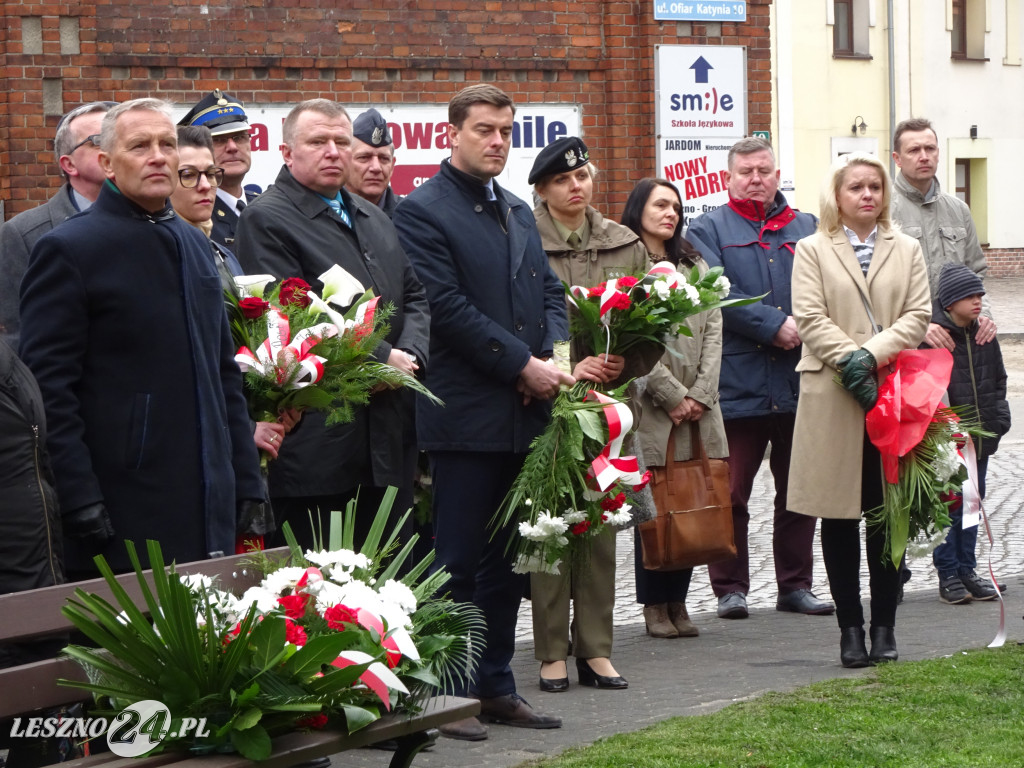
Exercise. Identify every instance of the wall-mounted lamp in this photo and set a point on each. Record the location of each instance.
(974, 131)
(858, 125)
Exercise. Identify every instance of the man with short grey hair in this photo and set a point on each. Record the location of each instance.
(373, 161)
(126, 334)
(753, 238)
(76, 151)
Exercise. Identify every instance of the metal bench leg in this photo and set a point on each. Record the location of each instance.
(411, 745)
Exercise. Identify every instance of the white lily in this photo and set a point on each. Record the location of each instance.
(253, 285)
(340, 288)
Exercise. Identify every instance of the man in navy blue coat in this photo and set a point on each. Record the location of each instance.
(125, 331)
(496, 309)
(753, 238)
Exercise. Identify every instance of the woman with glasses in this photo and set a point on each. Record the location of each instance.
(193, 199)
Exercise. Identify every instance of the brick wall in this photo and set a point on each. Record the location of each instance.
(1005, 262)
(598, 54)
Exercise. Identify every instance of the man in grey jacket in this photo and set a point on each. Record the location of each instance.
(941, 222)
(77, 149)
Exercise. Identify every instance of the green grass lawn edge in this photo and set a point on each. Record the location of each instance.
(961, 711)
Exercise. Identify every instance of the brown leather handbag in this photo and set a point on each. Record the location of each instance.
(694, 522)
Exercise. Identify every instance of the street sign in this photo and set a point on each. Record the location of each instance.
(766, 135)
(700, 10)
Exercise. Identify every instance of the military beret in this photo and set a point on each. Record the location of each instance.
(219, 112)
(371, 128)
(560, 156)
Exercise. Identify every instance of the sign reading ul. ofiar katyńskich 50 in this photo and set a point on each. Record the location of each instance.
(700, 112)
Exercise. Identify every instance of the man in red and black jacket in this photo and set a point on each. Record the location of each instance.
(753, 238)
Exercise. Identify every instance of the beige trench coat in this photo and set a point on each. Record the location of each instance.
(830, 313)
(691, 372)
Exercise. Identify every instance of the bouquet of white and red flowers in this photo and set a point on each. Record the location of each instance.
(332, 637)
(922, 444)
(575, 480)
(297, 351)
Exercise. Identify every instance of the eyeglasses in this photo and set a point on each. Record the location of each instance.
(94, 140)
(189, 177)
(242, 137)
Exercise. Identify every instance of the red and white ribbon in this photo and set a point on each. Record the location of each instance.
(287, 360)
(377, 677)
(610, 466)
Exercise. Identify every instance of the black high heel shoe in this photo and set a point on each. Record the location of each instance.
(554, 684)
(883, 644)
(589, 677)
(852, 652)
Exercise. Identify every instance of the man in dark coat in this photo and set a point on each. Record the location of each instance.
(753, 238)
(225, 116)
(125, 331)
(76, 147)
(300, 227)
(373, 161)
(496, 311)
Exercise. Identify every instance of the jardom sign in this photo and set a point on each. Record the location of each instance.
(700, 112)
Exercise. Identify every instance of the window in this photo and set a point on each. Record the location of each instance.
(842, 30)
(959, 31)
(850, 20)
(966, 24)
(963, 181)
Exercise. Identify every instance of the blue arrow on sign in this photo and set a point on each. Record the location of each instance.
(700, 68)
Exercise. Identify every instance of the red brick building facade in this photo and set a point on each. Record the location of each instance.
(598, 55)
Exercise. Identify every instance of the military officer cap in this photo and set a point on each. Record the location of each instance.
(219, 112)
(371, 128)
(560, 156)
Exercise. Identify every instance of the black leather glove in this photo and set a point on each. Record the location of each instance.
(857, 371)
(90, 525)
(254, 517)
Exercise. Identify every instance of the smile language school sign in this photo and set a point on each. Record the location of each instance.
(700, 112)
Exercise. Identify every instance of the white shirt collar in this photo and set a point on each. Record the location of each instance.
(228, 199)
(854, 240)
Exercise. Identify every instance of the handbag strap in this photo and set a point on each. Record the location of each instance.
(696, 451)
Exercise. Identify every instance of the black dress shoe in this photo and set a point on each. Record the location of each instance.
(804, 601)
(852, 652)
(554, 684)
(512, 709)
(883, 644)
(589, 677)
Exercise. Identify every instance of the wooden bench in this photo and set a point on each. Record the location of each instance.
(31, 688)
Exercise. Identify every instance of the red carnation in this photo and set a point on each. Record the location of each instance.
(293, 291)
(580, 528)
(597, 290)
(293, 633)
(339, 615)
(294, 605)
(313, 722)
(628, 281)
(611, 504)
(619, 300)
(253, 308)
(644, 481)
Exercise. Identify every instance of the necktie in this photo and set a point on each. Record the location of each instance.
(240, 206)
(340, 212)
(574, 241)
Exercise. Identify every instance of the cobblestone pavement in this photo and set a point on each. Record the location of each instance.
(770, 651)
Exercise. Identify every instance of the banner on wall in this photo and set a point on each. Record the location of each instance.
(700, 111)
(420, 135)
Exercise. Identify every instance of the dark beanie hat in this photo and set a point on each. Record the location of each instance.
(957, 281)
(560, 156)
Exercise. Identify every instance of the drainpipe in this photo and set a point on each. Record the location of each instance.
(892, 86)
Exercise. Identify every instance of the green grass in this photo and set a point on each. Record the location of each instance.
(966, 711)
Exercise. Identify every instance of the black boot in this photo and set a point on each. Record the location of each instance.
(852, 652)
(883, 644)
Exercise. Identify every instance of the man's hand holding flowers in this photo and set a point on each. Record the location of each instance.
(541, 381)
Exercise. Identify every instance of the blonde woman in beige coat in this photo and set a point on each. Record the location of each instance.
(860, 297)
(681, 392)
